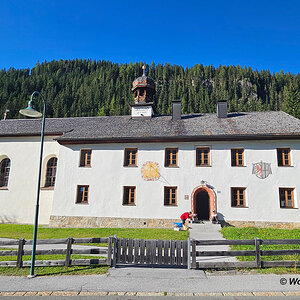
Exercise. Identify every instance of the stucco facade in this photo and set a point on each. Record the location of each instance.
(18, 199)
(107, 176)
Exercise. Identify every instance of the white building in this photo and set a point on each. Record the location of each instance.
(145, 171)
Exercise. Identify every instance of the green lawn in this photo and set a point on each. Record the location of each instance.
(248, 233)
(26, 231)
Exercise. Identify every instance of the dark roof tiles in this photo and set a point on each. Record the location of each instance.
(124, 127)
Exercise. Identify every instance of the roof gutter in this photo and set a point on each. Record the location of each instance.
(72, 141)
(30, 134)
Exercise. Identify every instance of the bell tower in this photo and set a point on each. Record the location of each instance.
(143, 89)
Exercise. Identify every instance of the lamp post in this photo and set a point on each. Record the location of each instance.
(31, 112)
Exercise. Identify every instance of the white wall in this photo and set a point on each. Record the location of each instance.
(107, 176)
(18, 201)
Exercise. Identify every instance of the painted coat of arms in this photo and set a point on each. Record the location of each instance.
(262, 170)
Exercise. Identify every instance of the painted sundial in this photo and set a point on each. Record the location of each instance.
(150, 171)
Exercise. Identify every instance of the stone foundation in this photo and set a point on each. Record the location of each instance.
(266, 224)
(106, 222)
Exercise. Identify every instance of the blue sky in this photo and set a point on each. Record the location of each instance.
(260, 34)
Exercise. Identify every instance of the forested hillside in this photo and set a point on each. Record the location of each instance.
(90, 88)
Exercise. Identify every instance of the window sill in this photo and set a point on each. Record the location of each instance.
(3, 188)
(81, 203)
(128, 204)
(172, 167)
(239, 206)
(130, 166)
(239, 166)
(203, 166)
(85, 166)
(288, 207)
(285, 166)
(50, 188)
(172, 205)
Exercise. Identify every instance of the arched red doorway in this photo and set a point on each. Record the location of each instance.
(203, 202)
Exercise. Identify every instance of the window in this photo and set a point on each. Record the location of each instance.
(203, 156)
(129, 195)
(141, 92)
(238, 197)
(82, 194)
(170, 197)
(283, 157)
(51, 172)
(85, 158)
(130, 157)
(237, 157)
(286, 196)
(4, 172)
(171, 157)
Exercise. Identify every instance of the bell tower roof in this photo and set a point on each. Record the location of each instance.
(145, 83)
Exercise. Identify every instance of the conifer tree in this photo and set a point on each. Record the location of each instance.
(291, 103)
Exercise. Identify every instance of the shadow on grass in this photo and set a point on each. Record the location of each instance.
(54, 271)
(73, 270)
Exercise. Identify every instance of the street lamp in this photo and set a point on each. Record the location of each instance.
(31, 112)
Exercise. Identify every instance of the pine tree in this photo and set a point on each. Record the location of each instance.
(291, 103)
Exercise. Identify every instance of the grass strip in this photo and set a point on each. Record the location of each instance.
(26, 231)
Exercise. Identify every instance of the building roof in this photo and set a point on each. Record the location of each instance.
(237, 126)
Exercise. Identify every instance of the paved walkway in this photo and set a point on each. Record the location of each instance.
(139, 280)
(209, 231)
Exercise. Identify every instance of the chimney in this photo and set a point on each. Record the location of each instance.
(176, 110)
(222, 109)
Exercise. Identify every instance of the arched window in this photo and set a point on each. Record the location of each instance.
(51, 172)
(4, 172)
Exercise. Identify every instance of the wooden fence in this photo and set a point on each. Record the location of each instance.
(161, 252)
(151, 252)
(257, 253)
(68, 251)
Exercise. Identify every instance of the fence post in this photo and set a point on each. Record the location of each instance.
(193, 254)
(257, 242)
(189, 253)
(115, 251)
(152, 252)
(109, 249)
(68, 252)
(20, 253)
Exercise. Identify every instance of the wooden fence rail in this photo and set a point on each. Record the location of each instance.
(257, 253)
(68, 251)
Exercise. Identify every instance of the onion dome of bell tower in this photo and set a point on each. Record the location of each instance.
(143, 88)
